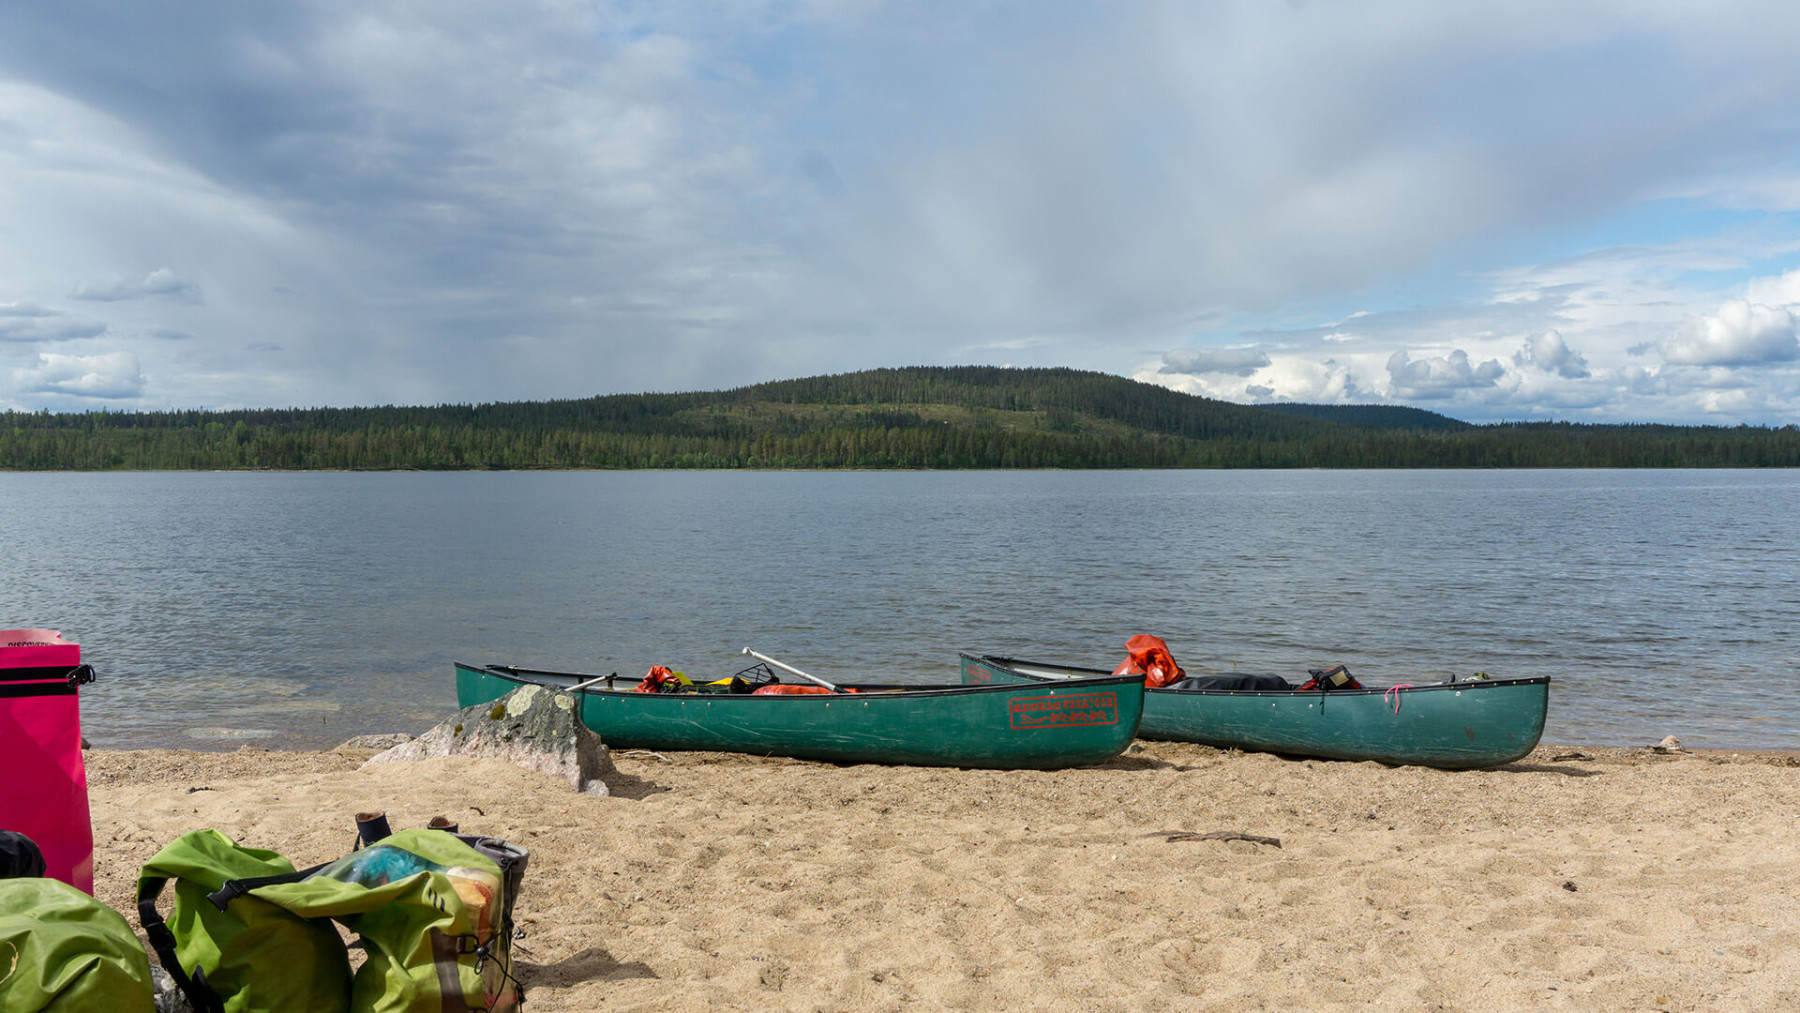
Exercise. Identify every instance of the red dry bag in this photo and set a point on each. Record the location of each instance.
(44, 793)
(1150, 657)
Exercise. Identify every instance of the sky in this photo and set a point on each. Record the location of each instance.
(1521, 211)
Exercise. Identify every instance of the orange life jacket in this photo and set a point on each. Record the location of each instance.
(655, 680)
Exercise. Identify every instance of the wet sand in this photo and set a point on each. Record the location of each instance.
(1579, 879)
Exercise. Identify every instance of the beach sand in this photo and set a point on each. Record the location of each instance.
(1611, 880)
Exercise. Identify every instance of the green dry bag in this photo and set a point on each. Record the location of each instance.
(253, 957)
(62, 951)
(432, 911)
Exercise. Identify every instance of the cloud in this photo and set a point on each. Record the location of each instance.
(1236, 361)
(108, 376)
(1741, 333)
(1439, 377)
(493, 200)
(1781, 290)
(1507, 309)
(1548, 352)
(1288, 377)
(161, 282)
(26, 322)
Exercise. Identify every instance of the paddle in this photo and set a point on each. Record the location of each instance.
(789, 668)
(590, 682)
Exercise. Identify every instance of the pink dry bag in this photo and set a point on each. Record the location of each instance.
(43, 794)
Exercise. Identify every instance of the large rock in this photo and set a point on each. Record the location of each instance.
(532, 726)
(387, 740)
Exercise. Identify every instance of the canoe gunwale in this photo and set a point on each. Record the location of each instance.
(1011, 664)
(871, 691)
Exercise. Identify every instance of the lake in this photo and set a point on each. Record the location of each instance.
(298, 609)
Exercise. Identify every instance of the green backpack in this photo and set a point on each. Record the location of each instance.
(62, 951)
(257, 957)
(433, 911)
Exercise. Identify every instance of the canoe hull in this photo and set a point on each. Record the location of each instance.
(1026, 725)
(1460, 725)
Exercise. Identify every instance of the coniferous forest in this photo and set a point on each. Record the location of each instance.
(921, 417)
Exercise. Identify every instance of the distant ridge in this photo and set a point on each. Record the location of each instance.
(1374, 415)
(920, 417)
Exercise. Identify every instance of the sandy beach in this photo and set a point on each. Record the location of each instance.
(1579, 879)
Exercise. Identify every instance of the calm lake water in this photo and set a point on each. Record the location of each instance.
(298, 609)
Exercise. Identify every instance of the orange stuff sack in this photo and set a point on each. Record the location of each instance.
(785, 689)
(1150, 658)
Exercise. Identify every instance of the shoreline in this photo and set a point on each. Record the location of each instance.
(228, 745)
(1619, 880)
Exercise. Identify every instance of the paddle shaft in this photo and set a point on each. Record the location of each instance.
(789, 668)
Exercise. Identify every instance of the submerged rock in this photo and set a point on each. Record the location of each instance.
(533, 726)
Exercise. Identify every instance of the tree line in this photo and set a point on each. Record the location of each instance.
(925, 417)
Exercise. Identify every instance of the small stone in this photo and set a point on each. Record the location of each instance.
(1569, 885)
(1669, 744)
(167, 996)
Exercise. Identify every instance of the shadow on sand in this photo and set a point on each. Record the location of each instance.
(591, 964)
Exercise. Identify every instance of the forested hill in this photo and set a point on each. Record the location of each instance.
(922, 417)
(1380, 416)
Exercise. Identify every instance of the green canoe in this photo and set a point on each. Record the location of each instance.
(1005, 726)
(1454, 725)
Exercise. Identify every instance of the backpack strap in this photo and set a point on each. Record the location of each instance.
(235, 888)
(199, 994)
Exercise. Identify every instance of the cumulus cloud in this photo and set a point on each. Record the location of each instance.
(1548, 352)
(162, 283)
(1439, 377)
(1644, 382)
(1781, 290)
(29, 322)
(1289, 376)
(110, 375)
(1741, 333)
(1299, 378)
(1236, 361)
